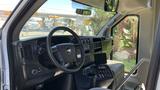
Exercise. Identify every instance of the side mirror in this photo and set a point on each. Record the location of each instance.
(107, 5)
(111, 5)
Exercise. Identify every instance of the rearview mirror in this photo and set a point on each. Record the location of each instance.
(107, 5)
(83, 11)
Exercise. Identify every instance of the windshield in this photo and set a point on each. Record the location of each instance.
(63, 13)
(6, 9)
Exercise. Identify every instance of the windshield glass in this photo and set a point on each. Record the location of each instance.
(6, 9)
(63, 13)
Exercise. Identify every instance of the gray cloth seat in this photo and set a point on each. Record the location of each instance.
(118, 69)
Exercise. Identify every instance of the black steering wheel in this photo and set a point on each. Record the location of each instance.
(69, 57)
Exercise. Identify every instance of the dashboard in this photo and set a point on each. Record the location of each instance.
(36, 65)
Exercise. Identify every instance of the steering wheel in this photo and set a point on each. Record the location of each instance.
(69, 57)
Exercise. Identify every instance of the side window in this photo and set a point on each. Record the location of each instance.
(125, 39)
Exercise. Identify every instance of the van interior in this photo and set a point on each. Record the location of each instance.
(80, 44)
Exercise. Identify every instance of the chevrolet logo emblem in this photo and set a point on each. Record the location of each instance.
(68, 50)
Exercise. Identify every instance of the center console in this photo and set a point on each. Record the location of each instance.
(95, 75)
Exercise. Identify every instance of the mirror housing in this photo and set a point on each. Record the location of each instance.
(107, 5)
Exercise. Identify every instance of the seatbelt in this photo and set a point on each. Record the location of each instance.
(129, 74)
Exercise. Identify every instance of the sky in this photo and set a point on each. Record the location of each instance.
(64, 7)
(57, 6)
(8, 4)
(51, 4)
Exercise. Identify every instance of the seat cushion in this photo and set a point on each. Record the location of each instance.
(118, 69)
(118, 76)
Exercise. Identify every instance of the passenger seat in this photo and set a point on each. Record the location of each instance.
(118, 70)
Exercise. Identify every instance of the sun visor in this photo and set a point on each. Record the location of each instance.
(129, 5)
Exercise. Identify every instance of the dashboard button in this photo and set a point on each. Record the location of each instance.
(34, 71)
